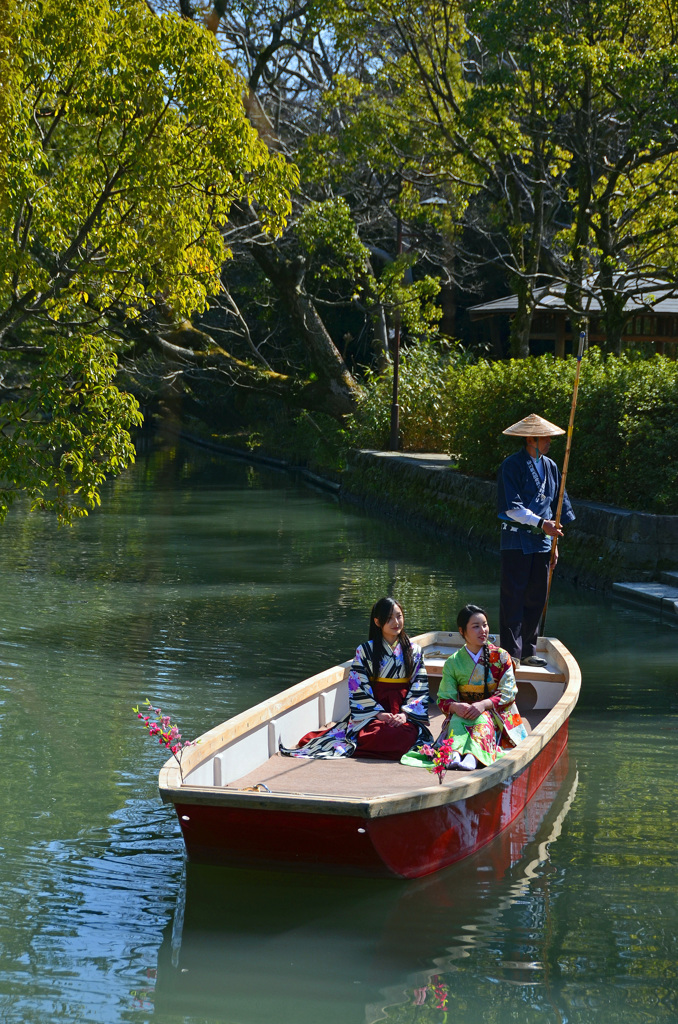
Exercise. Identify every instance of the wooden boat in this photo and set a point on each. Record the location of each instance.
(241, 803)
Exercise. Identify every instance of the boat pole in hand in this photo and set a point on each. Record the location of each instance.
(563, 478)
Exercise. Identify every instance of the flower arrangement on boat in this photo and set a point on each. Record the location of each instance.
(441, 757)
(160, 725)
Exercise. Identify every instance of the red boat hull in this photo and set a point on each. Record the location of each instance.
(402, 845)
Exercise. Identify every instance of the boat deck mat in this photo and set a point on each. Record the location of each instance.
(349, 776)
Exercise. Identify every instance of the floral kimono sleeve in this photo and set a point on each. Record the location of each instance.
(416, 701)
(507, 716)
(360, 696)
(339, 740)
(502, 667)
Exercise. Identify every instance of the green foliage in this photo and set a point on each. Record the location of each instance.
(426, 374)
(644, 394)
(490, 396)
(625, 438)
(129, 147)
(426, 382)
(126, 145)
(8, 85)
(327, 231)
(66, 433)
(551, 129)
(317, 442)
(413, 301)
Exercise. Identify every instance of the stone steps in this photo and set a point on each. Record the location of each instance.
(662, 597)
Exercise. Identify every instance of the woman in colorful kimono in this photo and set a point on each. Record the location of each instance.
(388, 696)
(477, 695)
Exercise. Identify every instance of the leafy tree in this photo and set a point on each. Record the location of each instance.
(285, 301)
(275, 46)
(475, 133)
(127, 146)
(561, 121)
(619, 132)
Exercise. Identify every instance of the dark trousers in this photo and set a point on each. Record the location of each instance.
(524, 580)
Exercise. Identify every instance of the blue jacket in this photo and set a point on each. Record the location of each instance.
(517, 488)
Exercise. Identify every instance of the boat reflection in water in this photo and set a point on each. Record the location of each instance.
(273, 948)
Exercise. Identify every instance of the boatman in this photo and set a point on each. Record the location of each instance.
(528, 487)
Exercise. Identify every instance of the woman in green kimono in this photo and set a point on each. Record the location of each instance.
(477, 695)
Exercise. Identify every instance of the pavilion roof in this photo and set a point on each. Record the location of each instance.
(645, 295)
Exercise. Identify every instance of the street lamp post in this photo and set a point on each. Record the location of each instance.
(395, 408)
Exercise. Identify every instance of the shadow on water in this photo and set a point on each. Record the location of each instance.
(266, 948)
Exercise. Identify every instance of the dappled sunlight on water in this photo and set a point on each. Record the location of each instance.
(207, 585)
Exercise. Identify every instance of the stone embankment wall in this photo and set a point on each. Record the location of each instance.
(604, 544)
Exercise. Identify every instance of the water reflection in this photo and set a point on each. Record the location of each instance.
(272, 949)
(207, 585)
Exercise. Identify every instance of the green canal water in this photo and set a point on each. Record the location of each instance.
(208, 585)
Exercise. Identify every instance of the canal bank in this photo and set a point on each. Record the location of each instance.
(633, 553)
(604, 545)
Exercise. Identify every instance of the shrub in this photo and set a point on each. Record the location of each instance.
(488, 397)
(625, 437)
(648, 476)
(425, 381)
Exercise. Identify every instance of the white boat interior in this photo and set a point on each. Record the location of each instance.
(242, 754)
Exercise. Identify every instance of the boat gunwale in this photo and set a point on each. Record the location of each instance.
(459, 787)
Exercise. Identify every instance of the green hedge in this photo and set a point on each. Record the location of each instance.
(625, 439)
(423, 400)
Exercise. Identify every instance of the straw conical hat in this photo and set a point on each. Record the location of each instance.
(533, 426)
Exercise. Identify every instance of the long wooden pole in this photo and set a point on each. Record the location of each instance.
(563, 478)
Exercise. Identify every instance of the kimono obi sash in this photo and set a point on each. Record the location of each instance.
(471, 692)
(403, 681)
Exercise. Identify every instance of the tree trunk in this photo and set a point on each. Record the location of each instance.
(380, 337)
(287, 278)
(521, 325)
(614, 321)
